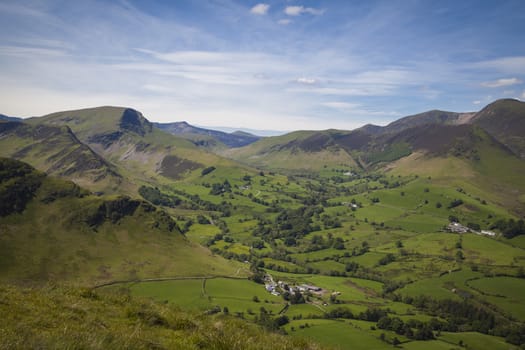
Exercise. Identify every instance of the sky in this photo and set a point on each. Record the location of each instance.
(265, 65)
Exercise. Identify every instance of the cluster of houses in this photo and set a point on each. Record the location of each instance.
(456, 227)
(274, 287)
(351, 205)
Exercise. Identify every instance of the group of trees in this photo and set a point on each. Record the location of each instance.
(424, 330)
(220, 188)
(18, 185)
(510, 228)
(317, 242)
(460, 315)
(266, 320)
(155, 196)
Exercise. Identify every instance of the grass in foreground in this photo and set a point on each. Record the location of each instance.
(65, 318)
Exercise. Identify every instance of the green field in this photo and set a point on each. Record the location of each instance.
(504, 292)
(339, 334)
(203, 294)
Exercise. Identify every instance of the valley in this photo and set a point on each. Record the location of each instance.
(113, 206)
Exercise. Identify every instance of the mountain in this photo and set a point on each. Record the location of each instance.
(256, 132)
(505, 120)
(436, 132)
(53, 230)
(420, 119)
(57, 151)
(10, 119)
(141, 152)
(206, 137)
(426, 118)
(299, 150)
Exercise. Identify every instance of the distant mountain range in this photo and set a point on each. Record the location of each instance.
(99, 146)
(207, 137)
(10, 119)
(437, 132)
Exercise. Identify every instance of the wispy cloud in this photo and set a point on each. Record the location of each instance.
(260, 9)
(307, 81)
(195, 63)
(341, 105)
(299, 10)
(358, 109)
(28, 52)
(501, 82)
(509, 65)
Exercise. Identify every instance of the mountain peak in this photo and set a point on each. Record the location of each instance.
(133, 121)
(505, 120)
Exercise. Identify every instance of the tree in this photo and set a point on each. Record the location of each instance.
(258, 244)
(459, 255)
(424, 333)
(339, 244)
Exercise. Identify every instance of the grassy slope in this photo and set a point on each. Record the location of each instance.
(57, 151)
(58, 240)
(505, 120)
(278, 152)
(496, 176)
(61, 318)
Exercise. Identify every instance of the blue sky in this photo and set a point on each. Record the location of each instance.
(281, 65)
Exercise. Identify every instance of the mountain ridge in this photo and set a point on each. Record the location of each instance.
(195, 134)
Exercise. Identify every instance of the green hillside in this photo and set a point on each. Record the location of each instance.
(505, 120)
(74, 318)
(426, 118)
(53, 230)
(141, 152)
(300, 150)
(57, 151)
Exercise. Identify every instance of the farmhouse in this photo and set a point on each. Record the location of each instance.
(457, 227)
(488, 233)
(269, 287)
(309, 287)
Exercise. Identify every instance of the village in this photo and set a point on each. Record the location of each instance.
(280, 287)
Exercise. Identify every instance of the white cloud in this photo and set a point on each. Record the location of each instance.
(477, 102)
(347, 91)
(299, 10)
(284, 22)
(260, 9)
(508, 65)
(341, 105)
(358, 109)
(501, 82)
(28, 52)
(523, 95)
(225, 67)
(307, 81)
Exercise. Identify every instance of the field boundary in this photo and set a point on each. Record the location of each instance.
(160, 279)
